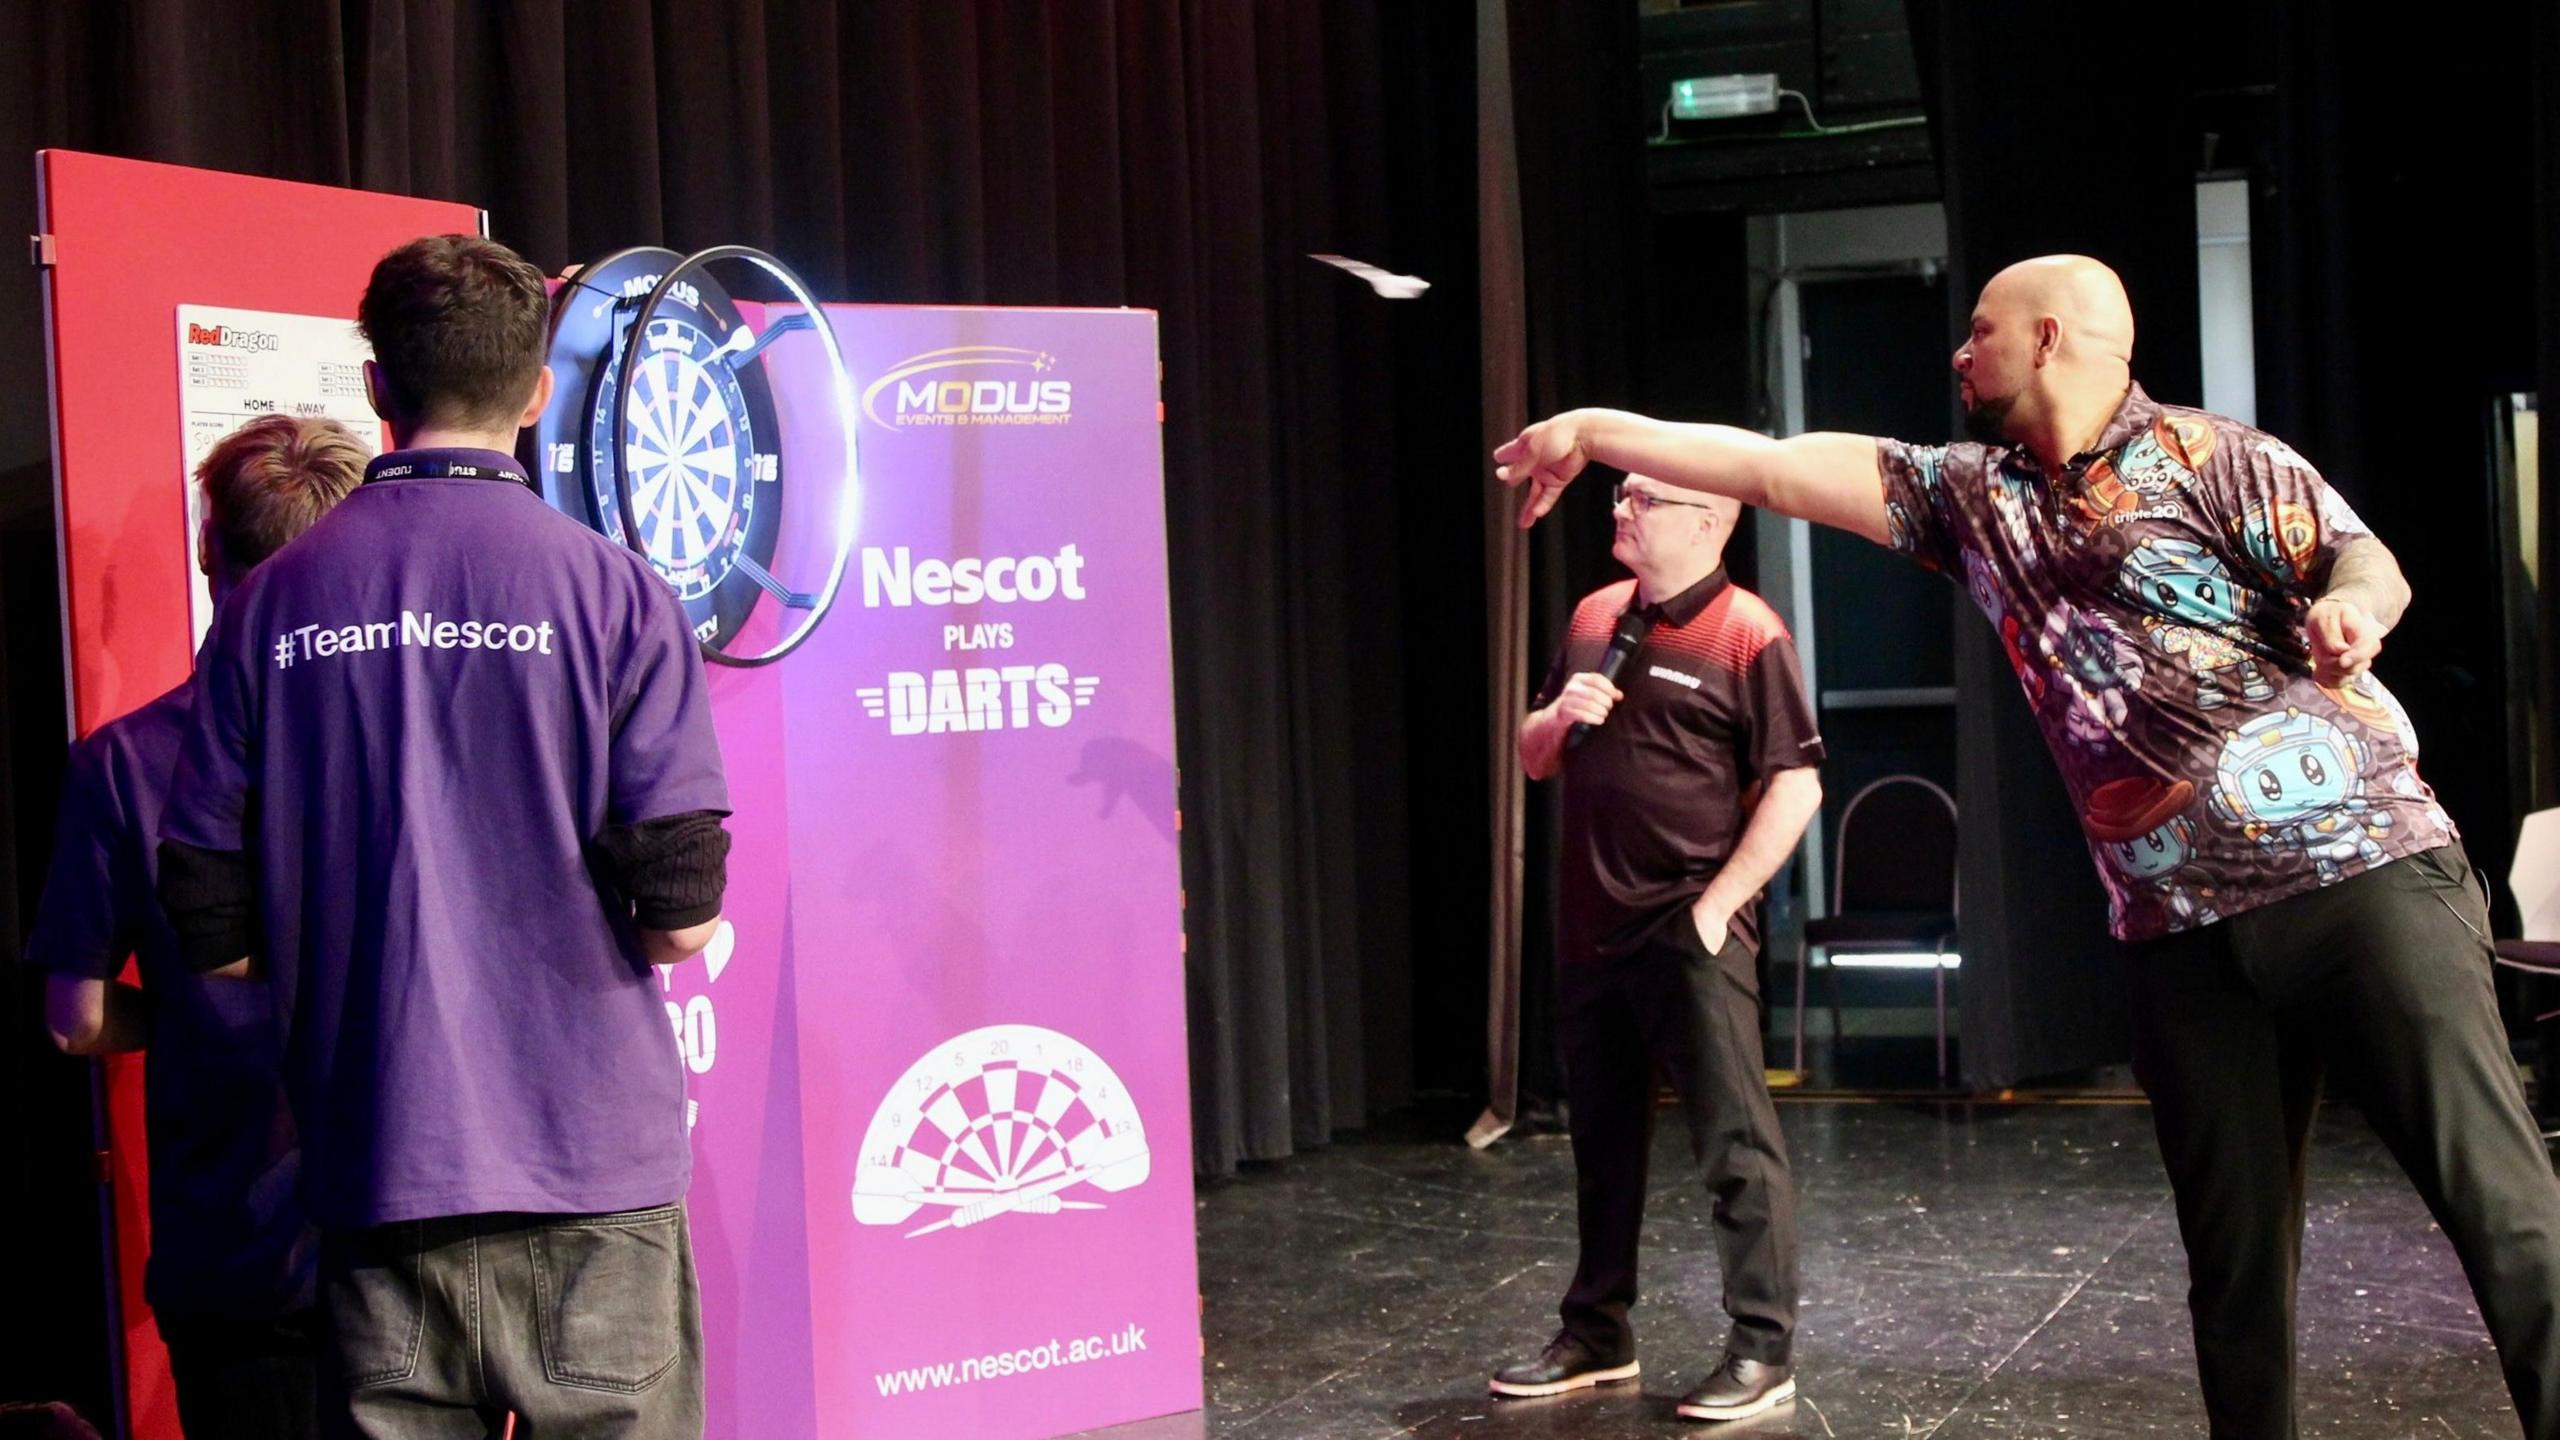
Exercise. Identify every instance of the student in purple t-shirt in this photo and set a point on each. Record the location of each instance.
(451, 788)
(230, 1274)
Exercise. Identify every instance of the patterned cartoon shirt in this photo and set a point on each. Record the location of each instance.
(2151, 600)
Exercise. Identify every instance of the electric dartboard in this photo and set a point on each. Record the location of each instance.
(1007, 1120)
(665, 438)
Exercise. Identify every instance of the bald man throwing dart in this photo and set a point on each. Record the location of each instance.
(2195, 614)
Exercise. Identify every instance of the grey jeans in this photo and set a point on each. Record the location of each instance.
(584, 1326)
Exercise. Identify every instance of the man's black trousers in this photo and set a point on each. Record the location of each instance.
(2379, 984)
(1697, 1017)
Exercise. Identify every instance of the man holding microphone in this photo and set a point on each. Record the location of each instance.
(1676, 714)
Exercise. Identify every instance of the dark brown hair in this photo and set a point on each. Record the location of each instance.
(458, 326)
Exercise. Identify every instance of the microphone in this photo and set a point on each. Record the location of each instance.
(1633, 623)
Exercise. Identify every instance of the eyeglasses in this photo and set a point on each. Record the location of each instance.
(1638, 501)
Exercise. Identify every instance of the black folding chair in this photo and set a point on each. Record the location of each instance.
(2534, 880)
(1893, 889)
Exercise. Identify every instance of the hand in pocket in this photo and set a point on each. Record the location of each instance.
(1714, 925)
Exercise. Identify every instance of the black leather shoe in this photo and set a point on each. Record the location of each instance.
(1739, 1388)
(1566, 1364)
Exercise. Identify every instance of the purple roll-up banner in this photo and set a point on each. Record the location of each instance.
(938, 1073)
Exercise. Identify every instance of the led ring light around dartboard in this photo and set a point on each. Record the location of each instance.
(679, 455)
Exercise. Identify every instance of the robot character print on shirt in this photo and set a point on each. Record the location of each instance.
(1985, 589)
(2294, 781)
(2146, 478)
(2145, 838)
(2281, 536)
(2192, 608)
(2366, 701)
(2098, 664)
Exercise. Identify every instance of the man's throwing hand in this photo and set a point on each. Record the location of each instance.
(2344, 639)
(1545, 457)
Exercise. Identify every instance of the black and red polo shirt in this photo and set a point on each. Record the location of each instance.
(1654, 799)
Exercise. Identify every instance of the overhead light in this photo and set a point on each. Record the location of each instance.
(1719, 97)
(1896, 960)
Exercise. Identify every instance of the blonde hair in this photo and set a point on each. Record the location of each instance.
(272, 479)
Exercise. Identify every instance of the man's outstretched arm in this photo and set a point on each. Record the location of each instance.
(1828, 478)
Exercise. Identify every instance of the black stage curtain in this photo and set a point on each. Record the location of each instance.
(1579, 117)
(2030, 169)
(2397, 298)
(2545, 650)
(1321, 444)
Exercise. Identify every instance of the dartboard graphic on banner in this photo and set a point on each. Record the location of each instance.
(665, 437)
(1006, 1120)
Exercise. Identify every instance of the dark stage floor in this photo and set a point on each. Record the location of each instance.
(1968, 1272)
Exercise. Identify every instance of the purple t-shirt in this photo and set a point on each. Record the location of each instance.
(415, 719)
(2151, 601)
(227, 1234)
